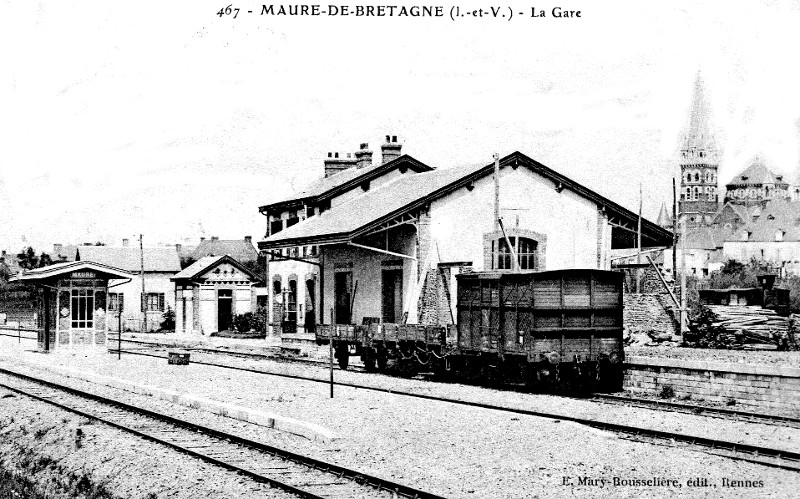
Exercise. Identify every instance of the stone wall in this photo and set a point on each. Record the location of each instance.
(647, 312)
(745, 386)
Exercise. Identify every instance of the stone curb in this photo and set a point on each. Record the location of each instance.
(703, 365)
(305, 429)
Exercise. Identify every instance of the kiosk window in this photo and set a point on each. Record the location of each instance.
(82, 308)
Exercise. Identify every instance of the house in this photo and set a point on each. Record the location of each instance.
(142, 301)
(774, 237)
(242, 250)
(392, 251)
(63, 253)
(294, 278)
(210, 293)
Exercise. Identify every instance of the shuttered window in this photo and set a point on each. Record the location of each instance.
(153, 302)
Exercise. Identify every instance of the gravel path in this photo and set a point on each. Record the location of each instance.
(458, 451)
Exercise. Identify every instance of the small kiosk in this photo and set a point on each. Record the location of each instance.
(73, 304)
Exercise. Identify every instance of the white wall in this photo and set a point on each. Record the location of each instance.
(459, 220)
(154, 282)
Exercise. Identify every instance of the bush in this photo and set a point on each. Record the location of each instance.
(168, 320)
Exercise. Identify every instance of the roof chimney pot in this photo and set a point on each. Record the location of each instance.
(391, 149)
(125, 243)
(364, 156)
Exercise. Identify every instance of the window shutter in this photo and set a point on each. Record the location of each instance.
(120, 302)
(161, 302)
(144, 302)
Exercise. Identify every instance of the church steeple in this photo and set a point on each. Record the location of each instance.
(699, 200)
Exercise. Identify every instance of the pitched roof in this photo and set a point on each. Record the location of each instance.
(239, 249)
(345, 179)
(61, 268)
(358, 215)
(756, 173)
(779, 215)
(129, 258)
(66, 253)
(707, 237)
(664, 219)
(207, 263)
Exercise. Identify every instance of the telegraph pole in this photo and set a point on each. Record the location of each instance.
(144, 294)
(639, 243)
(496, 191)
(674, 234)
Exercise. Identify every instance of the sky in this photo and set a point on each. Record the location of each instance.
(164, 119)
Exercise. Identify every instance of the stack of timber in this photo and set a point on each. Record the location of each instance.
(749, 326)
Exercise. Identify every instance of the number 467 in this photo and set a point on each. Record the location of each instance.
(228, 11)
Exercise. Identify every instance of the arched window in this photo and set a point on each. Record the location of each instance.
(688, 177)
(696, 177)
(524, 248)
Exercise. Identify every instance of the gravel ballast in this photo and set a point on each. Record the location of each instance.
(458, 451)
(63, 455)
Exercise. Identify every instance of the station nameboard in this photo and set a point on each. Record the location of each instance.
(83, 275)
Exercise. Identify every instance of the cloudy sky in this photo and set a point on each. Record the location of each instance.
(164, 119)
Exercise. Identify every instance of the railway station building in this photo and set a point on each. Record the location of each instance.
(390, 249)
(74, 305)
(210, 292)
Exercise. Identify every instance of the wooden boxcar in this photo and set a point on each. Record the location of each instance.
(550, 328)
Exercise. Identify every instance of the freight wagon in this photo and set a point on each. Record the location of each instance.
(553, 329)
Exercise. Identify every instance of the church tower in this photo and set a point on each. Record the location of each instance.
(699, 161)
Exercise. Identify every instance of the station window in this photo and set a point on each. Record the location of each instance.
(116, 302)
(524, 248)
(275, 226)
(153, 302)
(82, 308)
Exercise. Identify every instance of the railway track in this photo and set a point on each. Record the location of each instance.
(766, 456)
(648, 403)
(751, 453)
(296, 474)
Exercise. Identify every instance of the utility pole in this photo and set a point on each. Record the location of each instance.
(144, 294)
(639, 244)
(684, 317)
(496, 223)
(674, 234)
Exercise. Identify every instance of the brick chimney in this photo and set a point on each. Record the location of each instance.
(248, 239)
(202, 239)
(126, 242)
(391, 149)
(178, 247)
(334, 164)
(215, 238)
(363, 156)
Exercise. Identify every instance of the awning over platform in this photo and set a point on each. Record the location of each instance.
(83, 269)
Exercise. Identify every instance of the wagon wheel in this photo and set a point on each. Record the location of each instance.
(369, 359)
(343, 357)
(382, 359)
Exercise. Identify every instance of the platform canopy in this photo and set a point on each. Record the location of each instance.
(68, 270)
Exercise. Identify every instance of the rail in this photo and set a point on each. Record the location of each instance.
(306, 476)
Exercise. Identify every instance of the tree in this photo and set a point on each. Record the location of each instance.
(27, 259)
(45, 260)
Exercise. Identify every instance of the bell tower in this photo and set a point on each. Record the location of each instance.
(699, 160)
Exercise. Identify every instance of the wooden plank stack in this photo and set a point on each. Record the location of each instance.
(749, 326)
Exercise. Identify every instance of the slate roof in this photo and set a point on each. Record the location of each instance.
(129, 258)
(756, 174)
(207, 263)
(326, 185)
(66, 254)
(778, 215)
(707, 237)
(239, 249)
(392, 199)
(57, 269)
